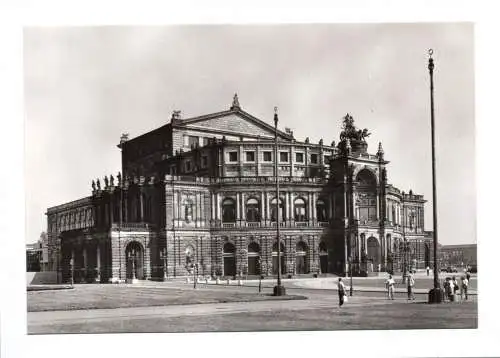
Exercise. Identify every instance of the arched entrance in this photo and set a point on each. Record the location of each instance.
(134, 254)
(323, 258)
(253, 259)
(301, 264)
(229, 255)
(373, 254)
(275, 258)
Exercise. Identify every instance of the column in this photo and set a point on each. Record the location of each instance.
(309, 206)
(287, 207)
(243, 212)
(262, 207)
(98, 261)
(238, 213)
(147, 262)
(292, 198)
(378, 205)
(219, 208)
(268, 210)
(213, 205)
(313, 207)
(84, 267)
(141, 203)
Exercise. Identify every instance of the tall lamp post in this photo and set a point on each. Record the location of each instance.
(435, 294)
(350, 273)
(279, 289)
(132, 256)
(164, 258)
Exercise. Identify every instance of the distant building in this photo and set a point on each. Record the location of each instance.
(458, 255)
(200, 192)
(37, 255)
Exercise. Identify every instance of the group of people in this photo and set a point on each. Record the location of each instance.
(452, 286)
(390, 284)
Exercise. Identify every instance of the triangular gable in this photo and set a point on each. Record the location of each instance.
(234, 121)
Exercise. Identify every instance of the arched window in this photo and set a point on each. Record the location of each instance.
(274, 212)
(188, 210)
(253, 214)
(299, 207)
(228, 210)
(321, 212)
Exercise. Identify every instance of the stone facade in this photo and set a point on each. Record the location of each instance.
(198, 196)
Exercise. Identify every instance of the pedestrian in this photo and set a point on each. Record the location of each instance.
(341, 289)
(448, 289)
(468, 275)
(428, 269)
(464, 286)
(411, 283)
(389, 284)
(455, 286)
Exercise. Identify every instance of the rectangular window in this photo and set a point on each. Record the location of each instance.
(284, 157)
(314, 159)
(193, 141)
(299, 157)
(250, 156)
(206, 141)
(267, 156)
(188, 166)
(233, 156)
(204, 161)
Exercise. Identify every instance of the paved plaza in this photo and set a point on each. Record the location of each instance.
(311, 304)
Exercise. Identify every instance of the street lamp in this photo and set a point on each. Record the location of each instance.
(278, 290)
(195, 274)
(132, 256)
(350, 272)
(259, 264)
(164, 258)
(435, 294)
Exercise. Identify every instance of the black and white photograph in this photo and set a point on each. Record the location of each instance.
(254, 179)
(236, 178)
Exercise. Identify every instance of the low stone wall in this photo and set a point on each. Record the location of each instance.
(41, 278)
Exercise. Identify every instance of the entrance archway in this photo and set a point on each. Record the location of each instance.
(275, 258)
(373, 253)
(134, 254)
(301, 264)
(229, 255)
(253, 259)
(323, 258)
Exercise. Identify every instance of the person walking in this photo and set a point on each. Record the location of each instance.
(463, 288)
(410, 283)
(454, 287)
(341, 290)
(389, 284)
(428, 270)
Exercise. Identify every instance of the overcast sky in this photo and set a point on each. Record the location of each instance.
(86, 86)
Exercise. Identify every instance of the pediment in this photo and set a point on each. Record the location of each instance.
(234, 122)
